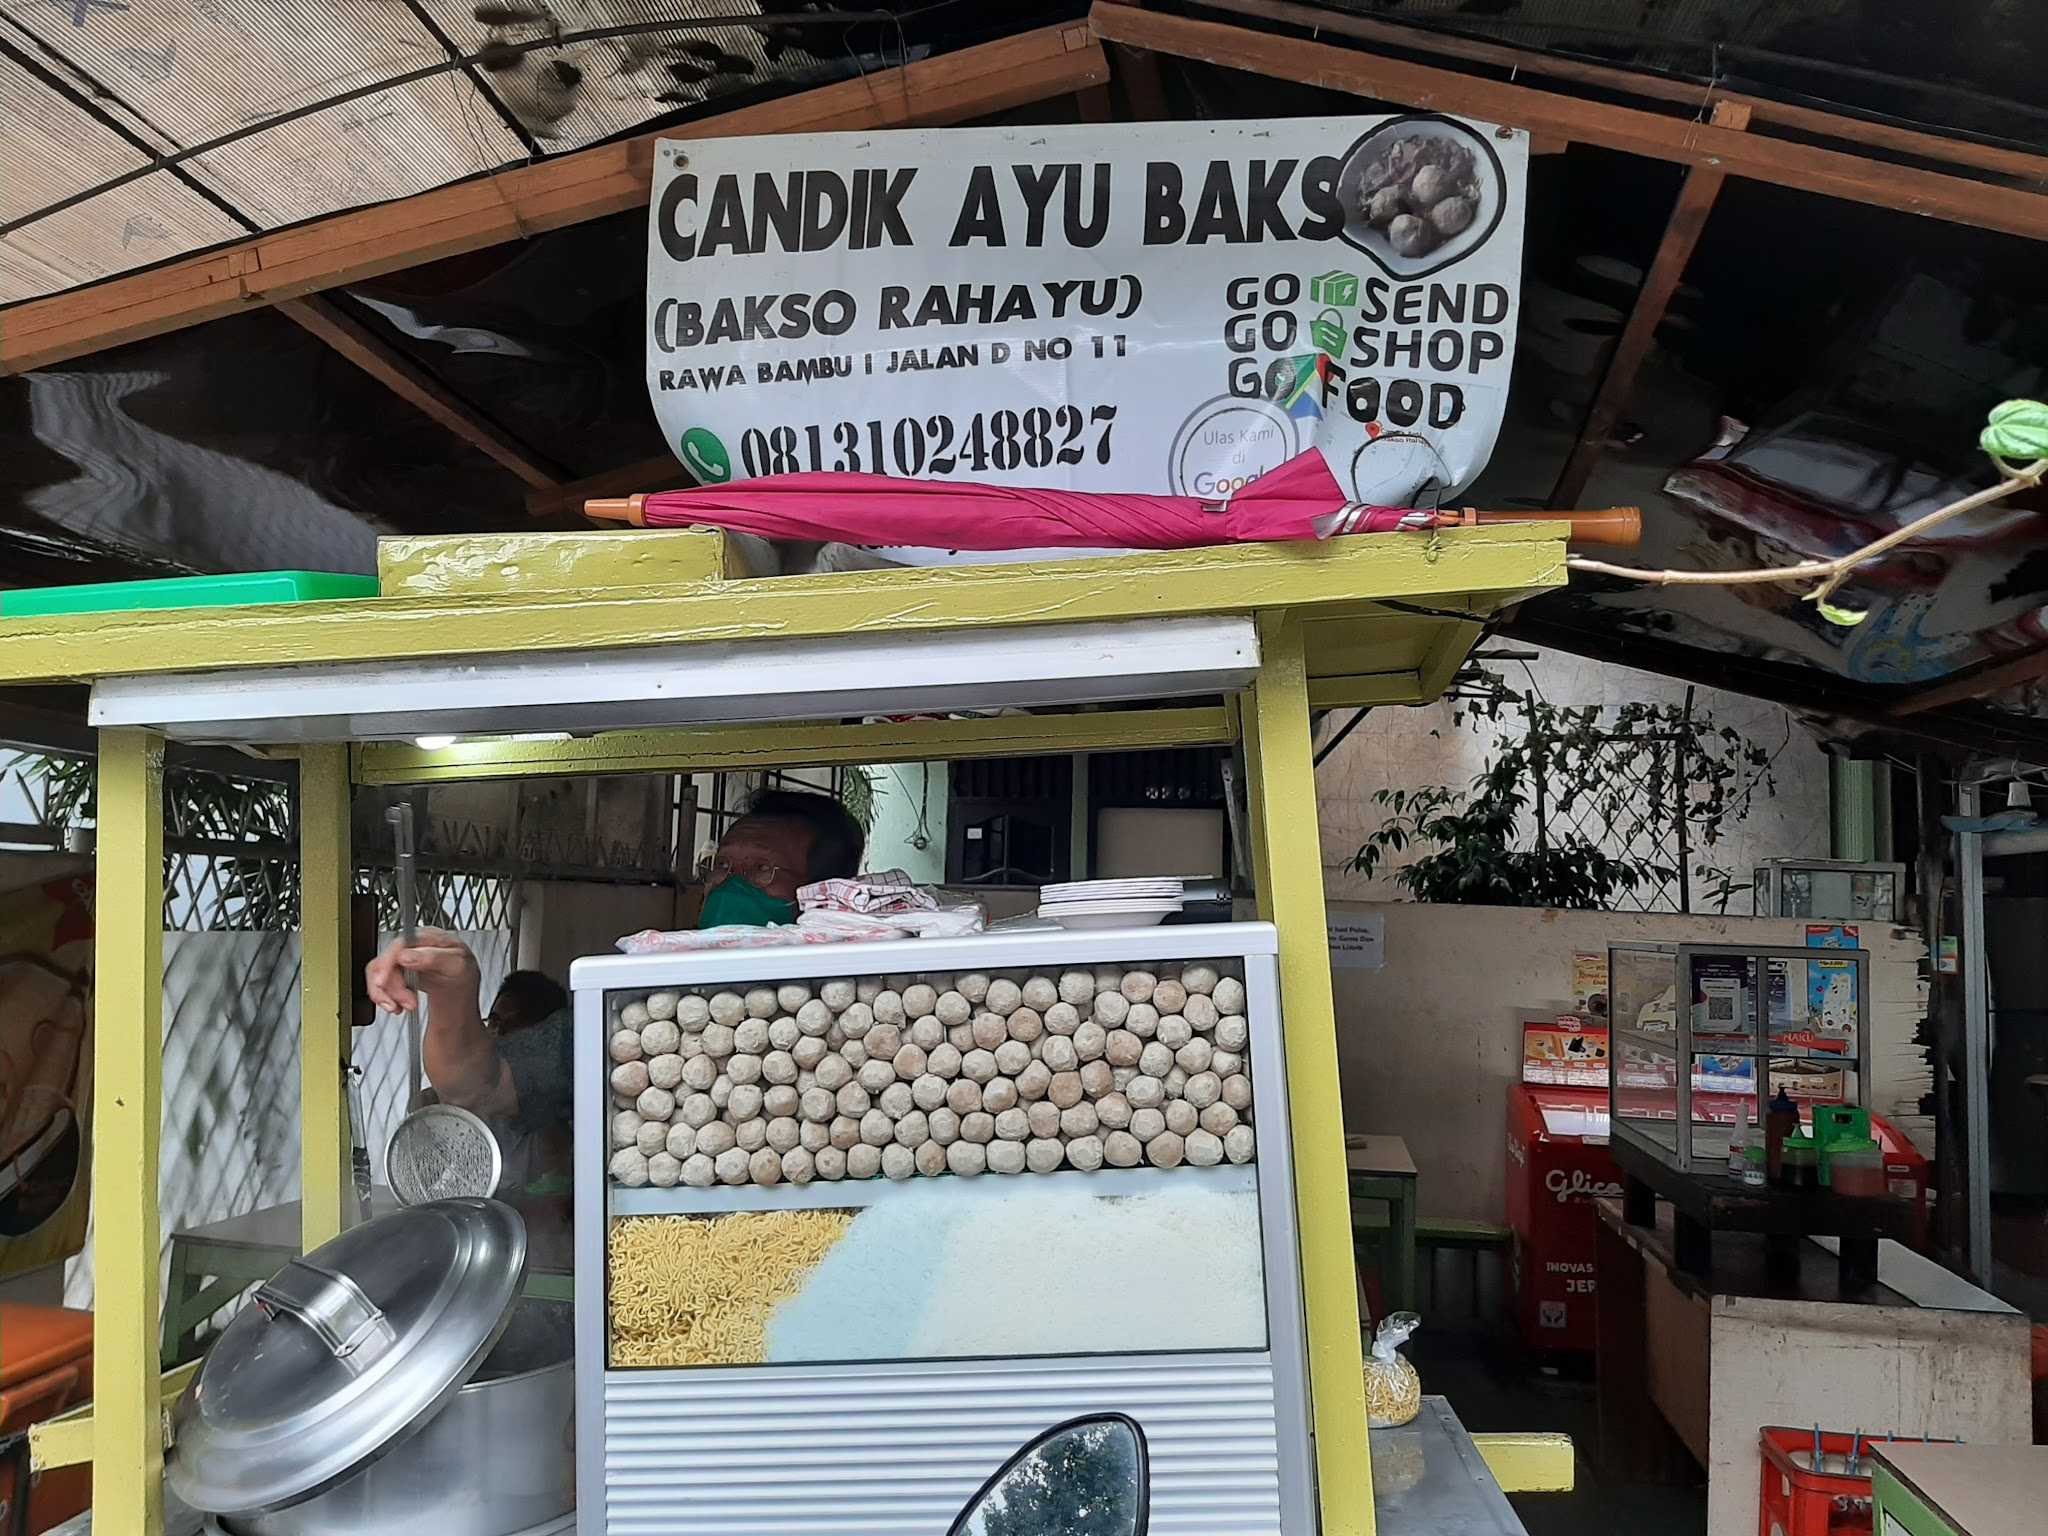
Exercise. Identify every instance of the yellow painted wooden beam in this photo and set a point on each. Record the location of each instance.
(1507, 560)
(128, 1059)
(1366, 690)
(325, 1033)
(1529, 1463)
(66, 1441)
(806, 744)
(1290, 885)
(1447, 653)
(510, 563)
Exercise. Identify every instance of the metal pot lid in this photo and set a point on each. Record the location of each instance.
(344, 1353)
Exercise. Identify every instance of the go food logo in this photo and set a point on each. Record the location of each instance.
(705, 456)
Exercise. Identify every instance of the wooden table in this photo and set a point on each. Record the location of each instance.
(1379, 1168)
(1707, 1201)
(1960, 1490)
(1692, 1366)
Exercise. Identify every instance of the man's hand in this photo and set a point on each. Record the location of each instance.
(441, 964)
(462, 1060)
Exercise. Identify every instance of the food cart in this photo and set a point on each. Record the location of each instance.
(659, 658)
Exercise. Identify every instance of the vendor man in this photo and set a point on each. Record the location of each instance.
(514, 1069)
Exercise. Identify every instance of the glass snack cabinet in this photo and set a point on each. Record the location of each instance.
(1702, 1031)
(1835, 890)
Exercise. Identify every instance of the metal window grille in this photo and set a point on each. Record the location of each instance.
(231, 853)
(723, 798)
(450, 899)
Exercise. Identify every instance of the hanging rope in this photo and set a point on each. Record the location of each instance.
(2015, 437)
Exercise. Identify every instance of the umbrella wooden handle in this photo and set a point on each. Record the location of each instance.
(1621, 527)
(617, 509)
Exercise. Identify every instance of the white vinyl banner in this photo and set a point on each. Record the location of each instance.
(1145, 307)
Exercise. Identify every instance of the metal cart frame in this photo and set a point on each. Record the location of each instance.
(678, 667)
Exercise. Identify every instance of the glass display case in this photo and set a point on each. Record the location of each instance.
(1830, 890)
(1698, 1029)
(978, 1186)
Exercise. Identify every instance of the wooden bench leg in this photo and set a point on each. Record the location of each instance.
(1638, 1202)
(1401, 1212)
(1692, 1244)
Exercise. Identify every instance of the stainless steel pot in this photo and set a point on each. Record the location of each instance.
(500, 1457)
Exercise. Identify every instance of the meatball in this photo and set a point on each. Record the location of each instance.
(1411, 236)
(1384, 206)
(1451, 215)
(1432, 184)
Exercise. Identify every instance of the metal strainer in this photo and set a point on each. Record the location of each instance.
(440, 1151)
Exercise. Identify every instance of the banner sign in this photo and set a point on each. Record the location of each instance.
(1166, 307)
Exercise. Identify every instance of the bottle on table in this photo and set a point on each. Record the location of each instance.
(1780, 1121)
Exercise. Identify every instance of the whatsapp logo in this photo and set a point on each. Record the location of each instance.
(705, 456)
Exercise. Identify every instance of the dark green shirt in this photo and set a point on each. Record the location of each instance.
(540, 1057)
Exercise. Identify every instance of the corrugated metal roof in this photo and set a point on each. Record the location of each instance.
(54, 149)
(93, 91)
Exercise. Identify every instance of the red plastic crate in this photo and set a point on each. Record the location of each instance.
(1798, 1501)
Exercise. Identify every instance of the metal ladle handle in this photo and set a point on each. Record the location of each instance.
(405, 865)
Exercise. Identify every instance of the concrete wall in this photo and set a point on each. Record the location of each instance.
(561, 921)
(1907, 1371)
(1406, 748)
(1430, 1043)
(910, 809)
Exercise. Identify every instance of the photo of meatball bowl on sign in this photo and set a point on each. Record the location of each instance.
(1420, 192)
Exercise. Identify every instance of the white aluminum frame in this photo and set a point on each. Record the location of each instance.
(1255, 944)
(705, 682)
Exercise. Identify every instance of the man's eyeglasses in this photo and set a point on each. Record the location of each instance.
(760, 872)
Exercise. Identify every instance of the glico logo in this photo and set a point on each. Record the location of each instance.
(1576, 1186)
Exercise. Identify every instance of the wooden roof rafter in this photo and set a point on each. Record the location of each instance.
(1696, 100)
(323, 318)
(1678, 139)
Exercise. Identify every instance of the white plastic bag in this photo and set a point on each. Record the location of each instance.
(1393, 1391)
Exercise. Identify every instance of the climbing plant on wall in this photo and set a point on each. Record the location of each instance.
(1575, 806)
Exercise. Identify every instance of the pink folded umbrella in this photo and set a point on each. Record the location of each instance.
(1298, 500)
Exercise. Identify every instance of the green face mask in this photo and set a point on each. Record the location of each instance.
(735, 902)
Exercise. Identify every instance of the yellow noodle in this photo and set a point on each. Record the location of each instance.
(694, 1290)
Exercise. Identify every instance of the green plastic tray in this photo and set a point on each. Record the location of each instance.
(186, 592)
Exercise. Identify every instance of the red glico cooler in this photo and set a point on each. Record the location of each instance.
(1558, 1165)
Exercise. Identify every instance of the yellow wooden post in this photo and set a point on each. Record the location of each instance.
(1290, 881)
(324, 992)
(128, 1059)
